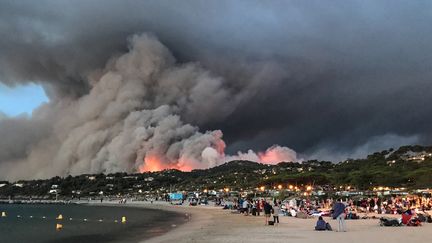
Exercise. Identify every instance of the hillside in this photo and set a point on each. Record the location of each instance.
(408, 166)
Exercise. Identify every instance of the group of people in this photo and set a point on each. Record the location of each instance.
(380, 205)
(339, 213)
(339, 210)
(390, 205)
(394, 205)
(255, 207)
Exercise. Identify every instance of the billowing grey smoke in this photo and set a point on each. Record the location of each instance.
(128, 114)
(18, 136)
(326, 79)
(129, 120)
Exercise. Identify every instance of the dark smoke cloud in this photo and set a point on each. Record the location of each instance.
(326, 79)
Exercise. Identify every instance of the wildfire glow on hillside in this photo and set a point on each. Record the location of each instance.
(272, 155)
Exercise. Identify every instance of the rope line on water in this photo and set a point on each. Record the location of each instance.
(60, 218)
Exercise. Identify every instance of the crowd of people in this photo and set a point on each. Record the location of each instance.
(377, 205)
(251, 207)
(412, 209)
(393, 205)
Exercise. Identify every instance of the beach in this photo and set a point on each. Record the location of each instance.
(212, 224)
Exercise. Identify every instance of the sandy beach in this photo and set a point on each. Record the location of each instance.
(212, 224)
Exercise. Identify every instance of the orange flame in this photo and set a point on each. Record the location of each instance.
(151, 163)
(154, 163)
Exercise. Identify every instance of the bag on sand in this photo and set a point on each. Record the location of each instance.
(414, 222)
(270, 222)
(421, 217)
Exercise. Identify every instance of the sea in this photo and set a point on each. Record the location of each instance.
(82, 223)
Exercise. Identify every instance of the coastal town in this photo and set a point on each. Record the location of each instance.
(312, 180)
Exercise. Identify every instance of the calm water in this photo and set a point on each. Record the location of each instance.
(99, 227)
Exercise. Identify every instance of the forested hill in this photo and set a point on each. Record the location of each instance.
(408, 166)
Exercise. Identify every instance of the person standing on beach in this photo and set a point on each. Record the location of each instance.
(245, 207)
(267, 211)
(258, 206)
(276, 211)
(339, 215)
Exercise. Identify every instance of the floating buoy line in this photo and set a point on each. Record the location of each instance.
(60, 218)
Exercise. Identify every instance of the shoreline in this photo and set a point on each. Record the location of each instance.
(194, 218)
(212, 224)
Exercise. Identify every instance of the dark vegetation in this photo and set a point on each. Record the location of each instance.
(409, 166)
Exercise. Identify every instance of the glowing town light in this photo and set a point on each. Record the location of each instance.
(308, 188)
(262, 188)
(279, 187)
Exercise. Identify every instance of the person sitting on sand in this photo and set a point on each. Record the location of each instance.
(267, 211)
(322, 225)
(406, 216)
(293, 212)
(352, 213)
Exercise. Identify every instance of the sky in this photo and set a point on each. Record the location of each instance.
(329, 79)
(21, 99)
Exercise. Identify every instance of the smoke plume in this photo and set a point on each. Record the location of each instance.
(330, 80)
(130, 121)
(272, 155)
